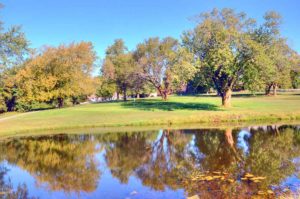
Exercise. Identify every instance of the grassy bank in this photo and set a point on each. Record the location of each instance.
(178, 110)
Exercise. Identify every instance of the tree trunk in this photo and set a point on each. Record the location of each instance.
(118, 95)
(268, 89)
(60, 102)
(11, 103)
(230, 141)
(165, 96)
(274, 89)
(226, 98)
(124, 94)
(138, 96)
(163, 93)
(229, 138)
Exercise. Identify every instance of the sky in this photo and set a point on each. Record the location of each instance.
(53, 22)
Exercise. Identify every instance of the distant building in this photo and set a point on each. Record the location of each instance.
(153, 94)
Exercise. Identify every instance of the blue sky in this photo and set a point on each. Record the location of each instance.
(52, 22)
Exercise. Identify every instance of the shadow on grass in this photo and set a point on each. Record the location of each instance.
(234, 95)
(169, 106)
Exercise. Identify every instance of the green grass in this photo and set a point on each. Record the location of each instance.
(176, 111)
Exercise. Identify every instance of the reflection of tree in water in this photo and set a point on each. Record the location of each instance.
(169, 161)
(163, 162)
(219, 149)
(61, 162)
(126, 152)
(156, 163)
(160, 159)
(272, 153)
(6, 189)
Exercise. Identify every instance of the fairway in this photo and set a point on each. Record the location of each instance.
(143, 112)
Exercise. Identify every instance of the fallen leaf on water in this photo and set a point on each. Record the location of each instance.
(248, 175)
(209, 178)
(193, 197)
(261, 193)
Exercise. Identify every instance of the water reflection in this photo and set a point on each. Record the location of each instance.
(155, 164)
(56, 162)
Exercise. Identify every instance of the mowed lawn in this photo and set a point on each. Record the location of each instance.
(177, 110)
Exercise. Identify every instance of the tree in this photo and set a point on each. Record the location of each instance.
(10, 90)
(13, 48)
(222, 43)
(295, 75)
(140, 86)
(164, 64)
(58, 73)
(106, 89)
(278, 51)
(119, 66)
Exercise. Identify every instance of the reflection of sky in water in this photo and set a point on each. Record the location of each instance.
(18, 176)
(293, 181)
(242, 143)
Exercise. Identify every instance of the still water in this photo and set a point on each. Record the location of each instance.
(207, 163)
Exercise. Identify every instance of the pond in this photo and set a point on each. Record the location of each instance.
(197, 163)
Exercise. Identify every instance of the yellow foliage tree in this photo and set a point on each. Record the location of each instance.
(58, 73)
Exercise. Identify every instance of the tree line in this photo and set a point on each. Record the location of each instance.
(225, 51)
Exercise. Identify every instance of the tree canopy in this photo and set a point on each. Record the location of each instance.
(222, 43)
(58, 73)
(164, 64)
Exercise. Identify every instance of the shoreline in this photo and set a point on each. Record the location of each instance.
(145, 113)
(220, 123)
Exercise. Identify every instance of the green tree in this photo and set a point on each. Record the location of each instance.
(164, 64)
(222, 43)
(295, 75)
(278, 73)
(140, 86)
(119, 67)
(295, 70)
(106, 89)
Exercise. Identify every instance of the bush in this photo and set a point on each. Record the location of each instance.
(23, 107)
(34, 106)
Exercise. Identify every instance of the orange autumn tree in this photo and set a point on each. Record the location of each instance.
(57, 74)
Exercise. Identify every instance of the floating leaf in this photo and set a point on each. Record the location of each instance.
(261, 193)
(248, 175)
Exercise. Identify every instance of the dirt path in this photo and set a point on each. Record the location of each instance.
(14, 116)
